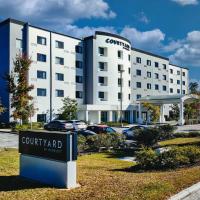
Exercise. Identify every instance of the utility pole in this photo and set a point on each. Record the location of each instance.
(121, 114)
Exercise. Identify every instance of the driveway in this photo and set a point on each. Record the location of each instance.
(8, 140)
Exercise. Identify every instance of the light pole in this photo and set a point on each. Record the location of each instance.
(121, 114)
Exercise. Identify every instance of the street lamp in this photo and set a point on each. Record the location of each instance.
(121, 115)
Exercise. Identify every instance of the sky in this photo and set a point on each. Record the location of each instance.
(169, 28)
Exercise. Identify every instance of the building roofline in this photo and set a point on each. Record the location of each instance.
(112, 35)
(14, 21)
(149, 53)
(179, 66)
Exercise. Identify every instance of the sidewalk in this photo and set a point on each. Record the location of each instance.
(191, 193)
(5, 130)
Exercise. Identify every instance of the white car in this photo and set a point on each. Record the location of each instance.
(77, 124)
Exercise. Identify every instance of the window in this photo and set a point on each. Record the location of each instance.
(41, 40)
(148, 86)
(59, 44)
(138, 72)
(164, 66)
(171, 80)
(129, 70)
(120, 68)
(149, 74)
(138, 60)
(156, 87)
(59, 93)
(171, 90)
(41, 57)
(102, 66)
(149, 62)
(129, 96)
(41, 118)
(119, 95)
(138, 84)
(120, 54)
(59, 77)
(138, 96)
(178, 82)
(156, 64)
(59, 61)
(101, 51)
(41, 74)
(178, 91)
(129, 83)
(156, 76)
(101, 80)
(183, 73)
(119, 81)
(79, 49)
(178, 72)
(18, 43)
(79, 79)
(164, 88)
(79, 94)
(183, 82)
(129, 57)
(183, 91)
(101, 95)
(164, 77)
(41, 92)
(171, 71)
(79, 64)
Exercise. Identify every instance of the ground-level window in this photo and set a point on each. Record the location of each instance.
(41, 118)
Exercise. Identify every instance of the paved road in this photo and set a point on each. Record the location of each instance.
(8, 140)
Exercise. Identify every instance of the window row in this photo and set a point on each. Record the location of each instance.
(58, 93)
(178, 91)
(178, 82)
(58, 44)
(103, 96)
(149, 86)
(178, 72)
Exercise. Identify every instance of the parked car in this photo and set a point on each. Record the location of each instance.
(78, 124)
(96, 129)
(129, 133)
(58, 125)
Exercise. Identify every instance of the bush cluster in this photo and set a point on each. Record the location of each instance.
(116, 124)
(187, 134)
(35, 126)
(96, 142)
(170, 158)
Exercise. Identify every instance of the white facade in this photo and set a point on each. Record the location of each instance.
(98, 71)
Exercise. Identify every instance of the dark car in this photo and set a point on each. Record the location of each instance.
(129, 133)
(58, 125)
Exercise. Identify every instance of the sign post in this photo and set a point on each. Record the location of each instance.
(49, 157)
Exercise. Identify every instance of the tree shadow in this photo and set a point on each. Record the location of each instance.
(11, 183)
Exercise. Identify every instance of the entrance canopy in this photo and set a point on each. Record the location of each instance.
(168, 99)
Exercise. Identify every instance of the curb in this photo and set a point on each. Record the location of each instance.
(191, 193)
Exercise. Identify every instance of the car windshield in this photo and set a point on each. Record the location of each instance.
(110, 130)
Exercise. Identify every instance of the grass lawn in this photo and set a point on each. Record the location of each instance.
(180, 141)
(101, 177)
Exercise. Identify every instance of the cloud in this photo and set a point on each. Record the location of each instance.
(142, 18)
(56, 11)
(188, 53)
(186, 2)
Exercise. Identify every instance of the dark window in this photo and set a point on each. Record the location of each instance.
(138, 84)
(183, 73)
(41, 74)
(41, 57)
(79, 49)
(59, 44)
(41, 92)
(183, 82)
(101, 80)
(41, 40)
(171, 71)
(156, 87)
(164, 66)
(59, 93)
(171, 80)
(129, 83)
(156, 64)
(138, 72)
(183, 91)
(79, 94)
(171, 90)
(101, 51)
(119, 81)
(164, 88)
(138, 60)
(101, 66)
(149, 62)
(156, 76)
(79, 79)
(119, 95)
(129, 57)
(79, 64)
(178, 91)
(59, 60)
(164, 77)
(120, 54)
(120, 68)
(138, 96)
(129, 96)
(148, 86)
(178, 82)
(101, 95)
(59, 77)
(149, 74)
(129, 70)
(178, 72)
(41, 118)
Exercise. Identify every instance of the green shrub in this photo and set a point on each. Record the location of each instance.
(166, 131)
(187, 134)
(116, 124)
(82, 145)
(35, 126)
(147, 137)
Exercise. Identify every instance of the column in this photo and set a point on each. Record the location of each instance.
(181, 115)
(110, 116)
(162, 117)
(99, 117)
(118, 116)
(148, 118)
(86, 115)
(131, 116)
(140, 120)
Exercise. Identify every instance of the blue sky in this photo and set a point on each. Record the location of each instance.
(168, 27)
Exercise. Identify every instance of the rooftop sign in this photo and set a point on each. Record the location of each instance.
(117, 42)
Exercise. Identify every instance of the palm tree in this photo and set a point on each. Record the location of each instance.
(193, 87)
